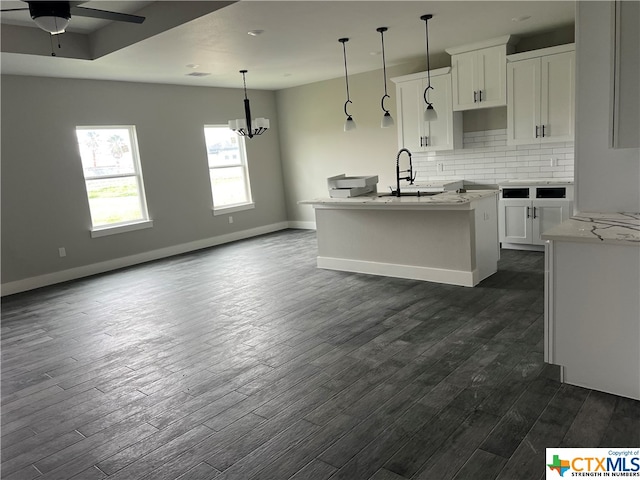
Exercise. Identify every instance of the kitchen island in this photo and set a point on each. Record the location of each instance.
(447, 238)
(592, 312)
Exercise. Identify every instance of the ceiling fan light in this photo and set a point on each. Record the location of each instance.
(52, 24)
(430, 114)
(387, 121)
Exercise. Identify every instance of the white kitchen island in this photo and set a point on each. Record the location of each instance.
(447, 238)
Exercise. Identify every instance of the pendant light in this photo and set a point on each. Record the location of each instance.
(246, 127)
(430, 113)
(349, 123)
(387, 119)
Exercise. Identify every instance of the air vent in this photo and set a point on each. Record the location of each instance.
(198, 74)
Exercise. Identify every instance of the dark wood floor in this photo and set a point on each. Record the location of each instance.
(245, 361)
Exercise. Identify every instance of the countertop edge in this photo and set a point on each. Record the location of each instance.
(446, 200)
(598, 228)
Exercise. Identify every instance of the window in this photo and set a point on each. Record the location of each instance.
(227, 169)
(113, 178)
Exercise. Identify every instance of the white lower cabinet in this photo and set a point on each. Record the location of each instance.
(591, 314)
(522, 221)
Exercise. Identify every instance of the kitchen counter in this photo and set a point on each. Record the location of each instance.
(611, 228)
(592, 314)
(447, 238)
(441, 201)
(536, 182)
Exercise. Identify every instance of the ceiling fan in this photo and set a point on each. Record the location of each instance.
(53, 17)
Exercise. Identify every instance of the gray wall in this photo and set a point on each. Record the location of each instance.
(44, 204)
(607, 179)
(314, 145)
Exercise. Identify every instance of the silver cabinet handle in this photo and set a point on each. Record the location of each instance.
(537, 128)
(542, 130)
(475, 96)
(528, 214)
(479, 95)
(534, 212)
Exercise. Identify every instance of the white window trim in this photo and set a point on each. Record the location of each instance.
(144, 222)
(244, 163)
(232, 208)
(107, 230)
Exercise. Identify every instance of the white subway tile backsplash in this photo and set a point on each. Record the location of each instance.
(487, 159)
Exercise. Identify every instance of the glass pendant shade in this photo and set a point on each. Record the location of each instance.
(349, 124)
(430, 114)
(52, 24)
(387, 121)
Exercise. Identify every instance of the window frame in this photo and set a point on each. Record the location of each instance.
(243, 163)
(130, 225)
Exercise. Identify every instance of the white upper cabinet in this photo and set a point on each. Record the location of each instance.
(414, 132)
(541, 96)
(478, 73)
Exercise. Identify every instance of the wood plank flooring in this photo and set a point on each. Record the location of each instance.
(245, 361)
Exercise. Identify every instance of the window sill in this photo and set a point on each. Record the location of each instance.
(114, 230)
(233, 208)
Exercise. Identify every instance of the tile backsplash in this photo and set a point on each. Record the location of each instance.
(486, 159)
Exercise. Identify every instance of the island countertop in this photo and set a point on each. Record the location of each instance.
(535, 182)
(610, 228)
(441, 201)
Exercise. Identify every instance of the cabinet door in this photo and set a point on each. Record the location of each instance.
(440, 134)
(492, 77)
(410, 115)
(463, 75)
(523, 107)
(547, 214)
(515, 221)
(558, 91)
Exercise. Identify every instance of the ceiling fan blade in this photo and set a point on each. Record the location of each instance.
(12, 9)
(105, 15)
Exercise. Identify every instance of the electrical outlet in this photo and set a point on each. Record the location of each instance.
(440, 167)
(553, 162)
(62, 252)
(230, 219)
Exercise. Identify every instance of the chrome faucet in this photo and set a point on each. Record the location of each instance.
(411, 177)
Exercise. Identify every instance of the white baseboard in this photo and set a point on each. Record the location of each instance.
(303, 225)
(522, 246)
(106, 266)
(429, 274)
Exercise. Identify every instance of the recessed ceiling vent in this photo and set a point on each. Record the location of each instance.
(198, 74)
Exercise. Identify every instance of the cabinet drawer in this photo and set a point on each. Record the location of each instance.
(515, 192)
(551, 192)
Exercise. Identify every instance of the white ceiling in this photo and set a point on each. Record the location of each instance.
(299, 44)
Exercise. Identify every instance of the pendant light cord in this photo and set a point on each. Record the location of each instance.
(343, 41)
(346, 74)
(384, 63)
(426, 27)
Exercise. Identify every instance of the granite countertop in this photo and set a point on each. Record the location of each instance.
(537, 181)
(611, 228)
(441, 200)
